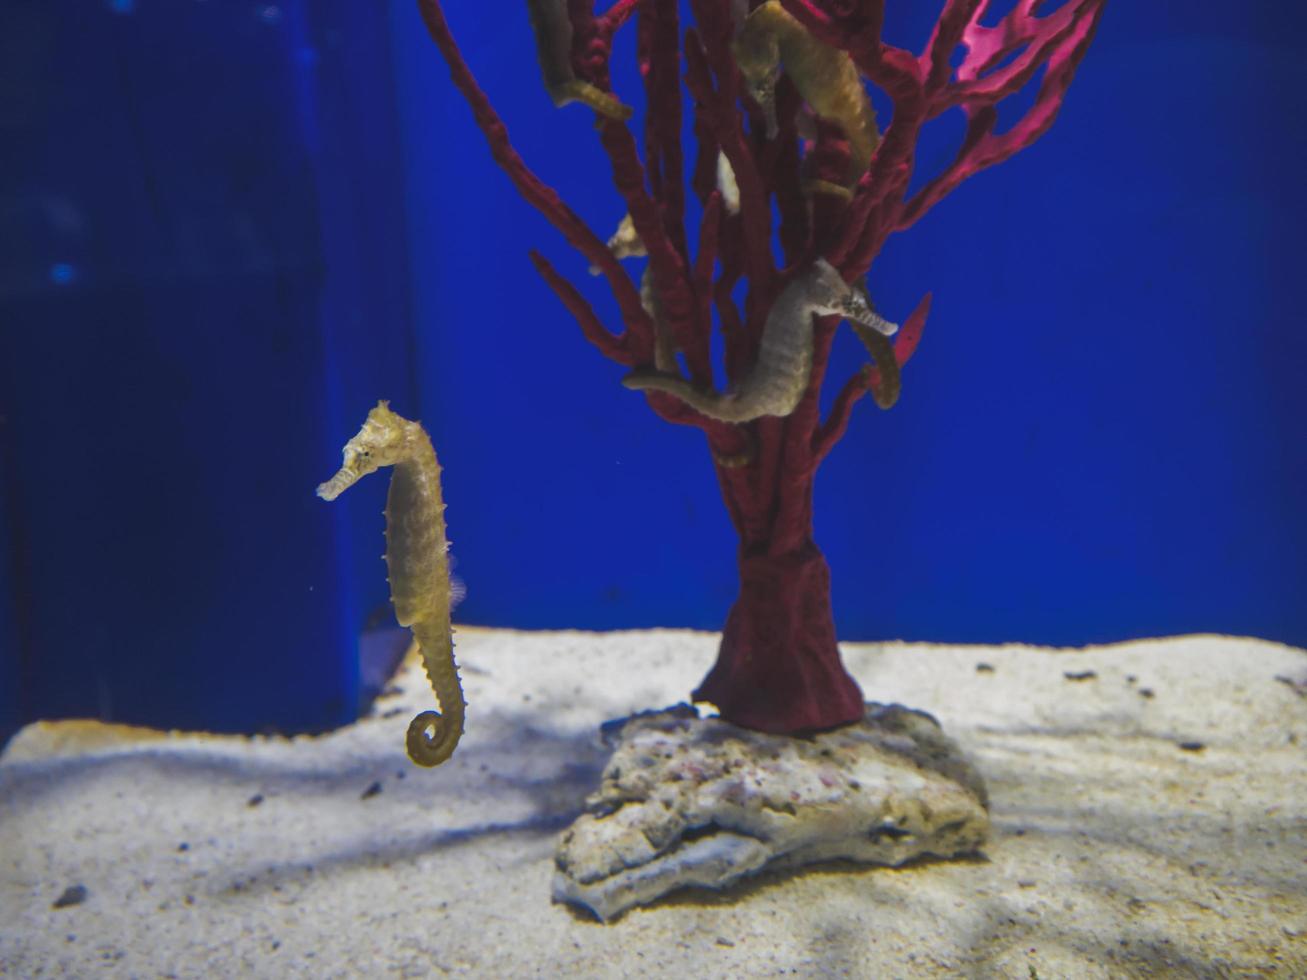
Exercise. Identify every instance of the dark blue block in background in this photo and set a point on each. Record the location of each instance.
(201, 295)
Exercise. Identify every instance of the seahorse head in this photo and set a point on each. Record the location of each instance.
(758, 56)
(383, 441)
(829, 295)
(826, 290)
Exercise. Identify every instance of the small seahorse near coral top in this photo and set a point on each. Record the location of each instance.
(418, 563)
(553, 31)
(772, 39)
(779, 377)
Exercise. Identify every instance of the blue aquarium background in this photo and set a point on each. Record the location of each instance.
(227, 229)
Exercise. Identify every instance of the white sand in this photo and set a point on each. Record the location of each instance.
(1115, 851)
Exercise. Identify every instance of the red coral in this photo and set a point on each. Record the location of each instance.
(778, 668)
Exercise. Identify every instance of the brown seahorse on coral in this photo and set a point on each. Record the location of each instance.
(779, 377)
(772, 40)
(553, 32)
(417, 561)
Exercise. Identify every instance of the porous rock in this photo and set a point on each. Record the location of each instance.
(691, 801)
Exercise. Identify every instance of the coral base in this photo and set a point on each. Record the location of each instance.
(688, 801)
(778, 669)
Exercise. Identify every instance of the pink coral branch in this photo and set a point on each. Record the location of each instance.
(535, 191)
(978, 80)
(952, 23)
(1061, 40)
(986, 46)
(832, 430)
(617, 15)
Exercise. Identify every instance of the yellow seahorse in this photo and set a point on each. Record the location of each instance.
(553, 31)
(417, 560)
(771, 40)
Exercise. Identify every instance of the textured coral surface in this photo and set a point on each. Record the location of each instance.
(698, 801)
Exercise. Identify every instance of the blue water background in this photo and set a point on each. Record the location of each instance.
(227, 229)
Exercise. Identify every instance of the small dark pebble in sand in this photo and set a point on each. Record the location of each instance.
(1192, 746)
(394, 690)
(73, 895)
(371, 791)
(1079, 675)
(392, 712)
(723, 941)
(183, 846)
(983, 668)
(1145, 692)
(1298, 687)
(254, 800)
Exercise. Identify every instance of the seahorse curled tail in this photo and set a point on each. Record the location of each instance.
(433, 735)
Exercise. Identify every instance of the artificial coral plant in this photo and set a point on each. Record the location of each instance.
(840, 189)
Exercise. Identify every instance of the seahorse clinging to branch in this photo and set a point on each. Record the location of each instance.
(417, 562)
(771, 40)
(779, 377)
(553, 31)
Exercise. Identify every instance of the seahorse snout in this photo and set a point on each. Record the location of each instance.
(344, 479)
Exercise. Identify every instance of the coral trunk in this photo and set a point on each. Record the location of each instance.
(778, 669)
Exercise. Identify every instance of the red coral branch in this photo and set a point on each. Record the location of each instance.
(609, 345)
(669, 272)
(709, 230)
(717, 110)
(535, 191)
(616, 16)
(659, 57)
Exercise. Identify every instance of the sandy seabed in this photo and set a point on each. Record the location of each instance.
(1149, 804)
